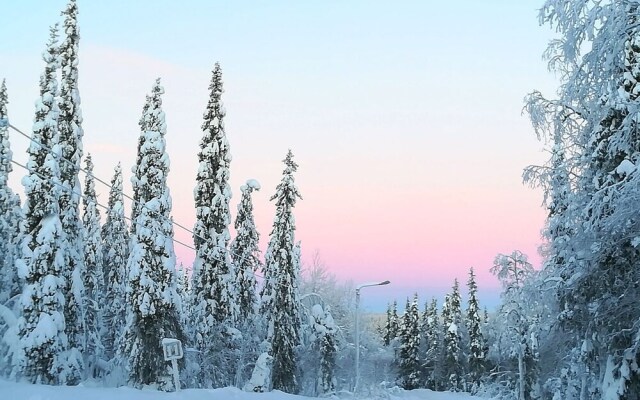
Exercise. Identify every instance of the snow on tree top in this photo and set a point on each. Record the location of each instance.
(251, 183)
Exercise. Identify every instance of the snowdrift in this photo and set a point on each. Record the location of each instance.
(12, 390)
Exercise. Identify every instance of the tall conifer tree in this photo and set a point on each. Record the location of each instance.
(151, 265)
(246, 252)
(70, 142)
(324, 342)
(452, 323)
(184, 292)
(115, 246)
(143, 123)
(214, 309)
(391, 325)
(476, 355)
(433, 346)
(409, 355)
(93, 278)
(9, 209)
(280, 299)
(41, 324)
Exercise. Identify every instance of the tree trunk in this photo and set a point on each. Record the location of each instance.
(583, 383)
(521, 371)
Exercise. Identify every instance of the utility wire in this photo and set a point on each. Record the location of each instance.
(81, 196)
(55, 155)
(59, 156)
(71, 191)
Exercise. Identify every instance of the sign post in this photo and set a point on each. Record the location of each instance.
(172, 349)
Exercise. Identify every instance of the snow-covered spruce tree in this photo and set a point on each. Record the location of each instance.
(433, 346)
(70, 142)
(391, 326)
(324, 339)
(280, 297)
(452, 363)
(424, 329)
(245, 252)
(115, 253)
(386, 330)
(477, 346)
(9, 209)
(266, 296)
(183, 288)
(154, 312)
(445, 317)
(409, 370)
(93, 278)
(40, 356)
(143, 123)
(190, 373)
(214, 309)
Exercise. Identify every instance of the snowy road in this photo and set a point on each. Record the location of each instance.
(15, 391)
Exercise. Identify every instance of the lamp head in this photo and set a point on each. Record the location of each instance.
(372, 284)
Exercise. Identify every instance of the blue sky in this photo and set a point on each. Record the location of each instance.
(405, 118)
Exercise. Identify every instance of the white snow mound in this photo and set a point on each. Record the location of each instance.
(12, 390)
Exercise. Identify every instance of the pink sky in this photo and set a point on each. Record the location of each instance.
(409, 133)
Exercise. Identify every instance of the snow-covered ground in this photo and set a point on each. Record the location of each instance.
(22, 391)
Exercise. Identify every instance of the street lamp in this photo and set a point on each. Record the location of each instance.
(364, 285)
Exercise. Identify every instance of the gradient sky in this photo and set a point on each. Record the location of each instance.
(405, 118)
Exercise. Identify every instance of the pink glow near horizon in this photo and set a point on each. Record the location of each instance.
(413, 237)
(410, 142)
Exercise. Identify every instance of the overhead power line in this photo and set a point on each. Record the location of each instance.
(59, 157)
(102, 181)
(80, 195)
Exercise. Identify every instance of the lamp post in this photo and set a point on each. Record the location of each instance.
(364, 285)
